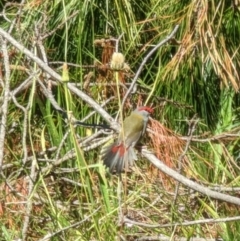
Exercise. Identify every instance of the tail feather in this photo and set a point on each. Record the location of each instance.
(109, 157)
(117, 158)
(131, 155)
(120, 164)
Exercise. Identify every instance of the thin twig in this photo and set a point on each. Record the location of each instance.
(203, 221)
(94, 112)
(48, 94)
(72, 154)
(94, 105)
(25, 84)
(28, 53)
(4, 108)
(56, 76)
(17, 16)
(117, 42)
(165, 238)
(185, 181)
(29, 203)
(214, 138)
(192, 125)
(60, 25)
(24, 136)
(34, 166)
(145, 60)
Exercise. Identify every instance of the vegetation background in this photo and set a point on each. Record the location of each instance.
(50, 188)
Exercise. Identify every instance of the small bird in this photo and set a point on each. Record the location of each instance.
(120, 154)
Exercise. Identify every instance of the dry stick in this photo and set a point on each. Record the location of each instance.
(25, 84)
(28, 53)
(71, 155)
(51, 98)
(224, 189)
(3, 130)
(31, 158)
(117, 42)
(56, 76)
(165, 238)
(145, 60)
(34, 166)
(24, 135)
(60, 25)
(213, 138)
(29, 204)
(4, 108)
(28, 81)
(104, 103)
(17, 15)
(185, 181)
(39, 43)
(188, 223)
(49, 95)
(6, 99)
(94, 104)
(192, 124)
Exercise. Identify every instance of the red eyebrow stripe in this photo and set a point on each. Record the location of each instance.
(146, 108)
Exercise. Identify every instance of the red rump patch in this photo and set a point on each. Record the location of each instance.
(120, 148)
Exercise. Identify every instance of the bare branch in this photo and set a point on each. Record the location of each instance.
(4, 108)
(145, 60)
(188, 223)
(56, 76)
(192, 126)
(185, 181)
